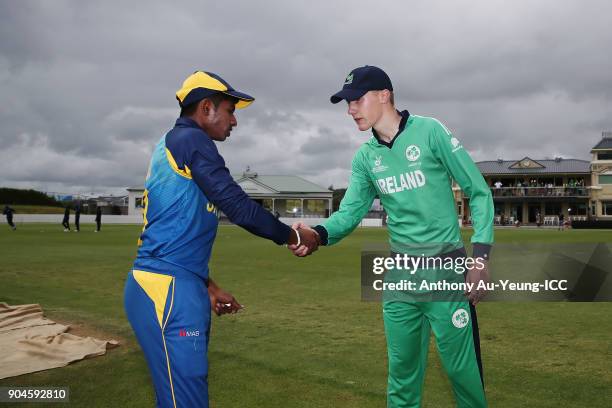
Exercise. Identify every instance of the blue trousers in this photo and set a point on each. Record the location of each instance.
(170, 316)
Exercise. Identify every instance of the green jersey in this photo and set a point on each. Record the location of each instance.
(413, 178)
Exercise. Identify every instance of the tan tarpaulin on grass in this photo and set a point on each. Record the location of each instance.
(30, 342)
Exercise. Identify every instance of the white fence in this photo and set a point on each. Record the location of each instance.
(137, 219)
(366, 222)
(85, 219)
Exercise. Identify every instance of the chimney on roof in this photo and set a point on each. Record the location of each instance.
(500, 161)
(558, 159)
(606, 135)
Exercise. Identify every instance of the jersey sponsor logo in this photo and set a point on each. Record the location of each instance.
(378, 166)
(189, 333)
(407, 181)
(455, 143)
(349, 79)
(461, 318)
(413, 153)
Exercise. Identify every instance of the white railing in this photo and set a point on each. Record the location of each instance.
(85, 219)
(577, 191)
(137, 219)
(551, 220)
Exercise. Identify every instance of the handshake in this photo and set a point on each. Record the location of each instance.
(303, 240)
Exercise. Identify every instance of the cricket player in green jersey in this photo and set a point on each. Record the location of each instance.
(410, 163)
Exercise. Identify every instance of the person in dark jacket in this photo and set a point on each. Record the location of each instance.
(8, 211)
(77, 217)
(98, 219)
(66, 220)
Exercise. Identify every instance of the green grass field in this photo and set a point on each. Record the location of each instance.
(305, 338)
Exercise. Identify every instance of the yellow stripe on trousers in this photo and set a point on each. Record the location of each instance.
(156, 286)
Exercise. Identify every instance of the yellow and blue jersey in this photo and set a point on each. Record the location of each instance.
(166, 299)
(187, 182)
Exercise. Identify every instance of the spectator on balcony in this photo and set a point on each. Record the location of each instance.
(573, 184)
(580, 185)
(530, 187)
(498, 185)
(524, 190)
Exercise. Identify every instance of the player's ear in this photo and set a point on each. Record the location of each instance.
(206, 106)
(384, 96)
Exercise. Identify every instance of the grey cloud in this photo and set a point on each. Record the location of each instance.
(91, 84)
(139, 124)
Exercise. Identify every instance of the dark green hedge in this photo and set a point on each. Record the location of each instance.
(14, 196)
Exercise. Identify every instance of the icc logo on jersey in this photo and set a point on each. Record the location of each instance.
(413, 153)
(378, 166)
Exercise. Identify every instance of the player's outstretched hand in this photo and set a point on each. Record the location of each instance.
(309, 240)
(474, 276)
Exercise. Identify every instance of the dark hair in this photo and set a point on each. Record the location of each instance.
(216, 99)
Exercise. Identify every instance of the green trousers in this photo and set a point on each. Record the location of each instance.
(407, 328)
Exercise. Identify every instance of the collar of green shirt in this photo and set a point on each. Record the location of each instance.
(405, 115)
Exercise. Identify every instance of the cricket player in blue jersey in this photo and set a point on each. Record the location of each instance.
(169, 292)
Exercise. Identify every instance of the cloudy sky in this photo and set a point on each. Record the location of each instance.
(87, 88)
